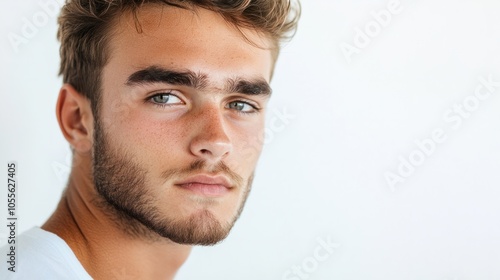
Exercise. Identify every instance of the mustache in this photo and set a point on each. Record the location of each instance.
(200, 165)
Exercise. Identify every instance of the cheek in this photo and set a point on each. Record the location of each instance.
(148, 138)
(247, 145)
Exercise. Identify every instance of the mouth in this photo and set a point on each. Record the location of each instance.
(210, 186)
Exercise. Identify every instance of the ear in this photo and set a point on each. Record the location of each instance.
(75, 118)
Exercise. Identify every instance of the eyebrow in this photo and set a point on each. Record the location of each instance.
(254, 87)
(157, 74)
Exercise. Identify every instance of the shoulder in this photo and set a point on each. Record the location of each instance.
(39, 254)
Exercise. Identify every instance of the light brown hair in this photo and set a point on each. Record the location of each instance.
(84, 27)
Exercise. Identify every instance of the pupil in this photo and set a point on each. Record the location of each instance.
(162, 98)
(237, 105)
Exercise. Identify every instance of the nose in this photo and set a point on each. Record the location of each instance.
(211, 142)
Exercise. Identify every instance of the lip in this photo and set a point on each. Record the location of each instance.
(212, 186)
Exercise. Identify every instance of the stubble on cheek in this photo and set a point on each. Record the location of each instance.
(119, 184)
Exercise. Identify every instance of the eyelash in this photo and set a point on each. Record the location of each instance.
(159, 105)
(162, 106)
(254, 111)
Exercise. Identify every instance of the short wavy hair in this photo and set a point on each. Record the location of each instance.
(84, 31)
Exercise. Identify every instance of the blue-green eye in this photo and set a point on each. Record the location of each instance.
(165, 99)
(242, 107)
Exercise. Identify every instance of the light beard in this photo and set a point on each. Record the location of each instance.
(124, 194)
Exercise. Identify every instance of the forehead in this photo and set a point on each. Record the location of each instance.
(198, 40)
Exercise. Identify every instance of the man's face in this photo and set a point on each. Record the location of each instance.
(181, 113)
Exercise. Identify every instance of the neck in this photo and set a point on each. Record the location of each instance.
(104, 249)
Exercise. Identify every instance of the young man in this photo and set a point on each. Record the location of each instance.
(163, 105)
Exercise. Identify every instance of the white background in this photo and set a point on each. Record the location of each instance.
(321, 176)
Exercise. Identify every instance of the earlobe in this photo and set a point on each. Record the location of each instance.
(75, 118)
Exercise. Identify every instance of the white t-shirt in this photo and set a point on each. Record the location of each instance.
(41, 255)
